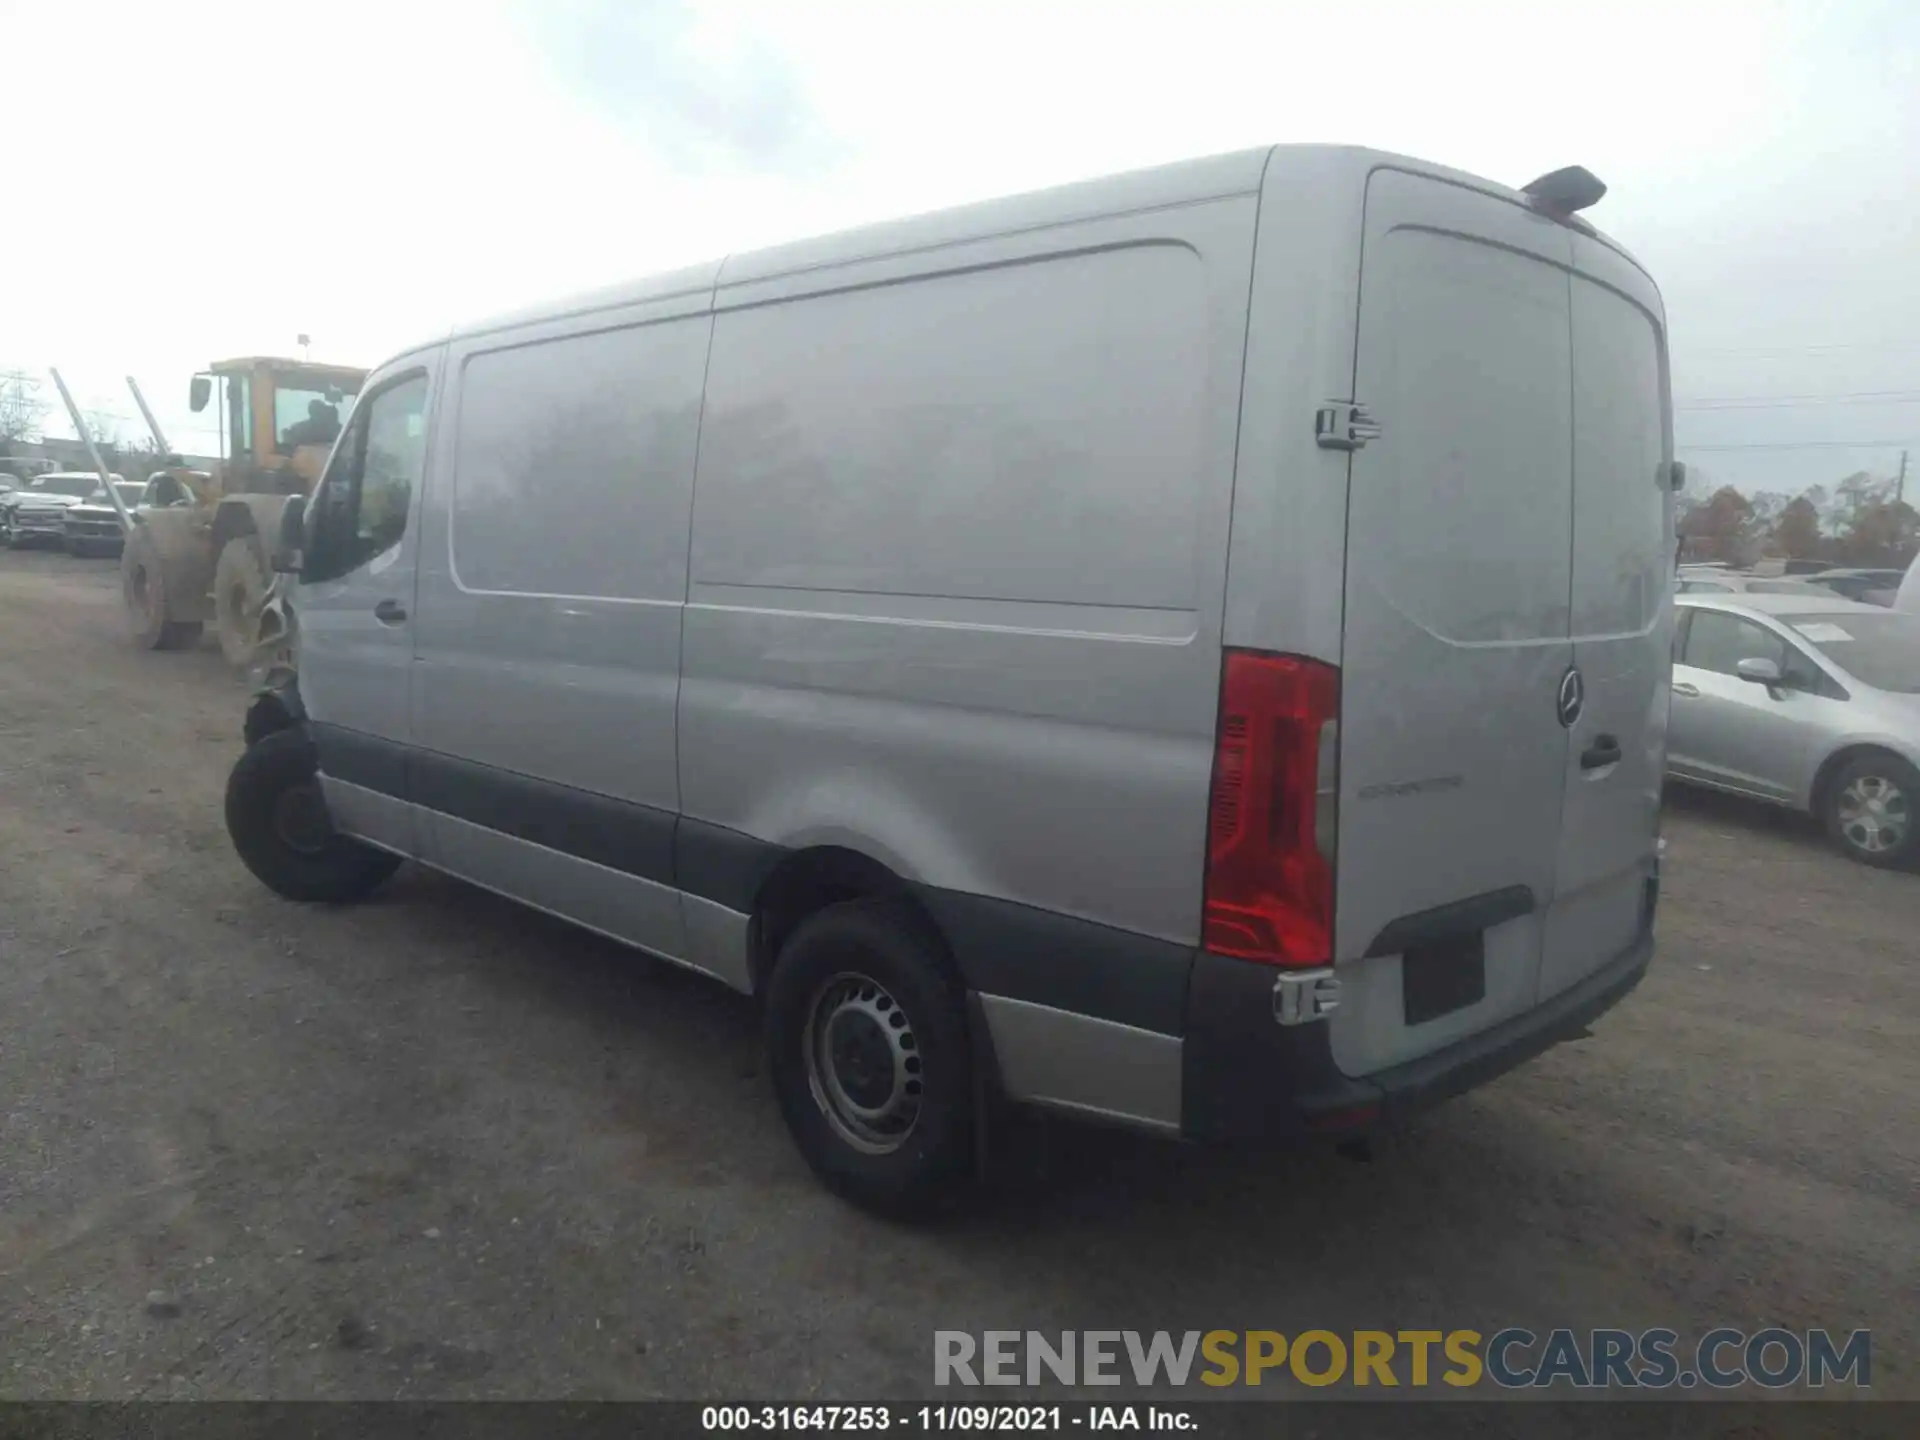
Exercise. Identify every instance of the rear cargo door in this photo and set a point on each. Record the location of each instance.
(1622, 616)
(1453, 761)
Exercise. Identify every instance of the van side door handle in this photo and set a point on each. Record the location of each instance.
(390, 612)
(1686, 691)
(1604, 751)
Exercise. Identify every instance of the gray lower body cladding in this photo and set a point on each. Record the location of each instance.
(1132, 1000)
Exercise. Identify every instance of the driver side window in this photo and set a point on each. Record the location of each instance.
(360, 510)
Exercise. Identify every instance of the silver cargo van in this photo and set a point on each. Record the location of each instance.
(1189, 649)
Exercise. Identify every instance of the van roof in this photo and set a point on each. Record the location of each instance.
(1180, 183)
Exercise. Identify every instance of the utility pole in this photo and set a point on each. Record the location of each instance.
(1900, 485)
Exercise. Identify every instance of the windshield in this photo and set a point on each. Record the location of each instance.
(1880, 650)
(130, 492)
(1786, 587)
(309, 413)
(78, 486)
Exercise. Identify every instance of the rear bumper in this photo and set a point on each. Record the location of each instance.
(1245, 1077)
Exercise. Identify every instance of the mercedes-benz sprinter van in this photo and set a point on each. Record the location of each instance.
(1189, 649)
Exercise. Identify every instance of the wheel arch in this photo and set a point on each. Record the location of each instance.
(274, 709)
(1820, 791)
(803, 882)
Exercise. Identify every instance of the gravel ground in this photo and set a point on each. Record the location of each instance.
(438, 1147)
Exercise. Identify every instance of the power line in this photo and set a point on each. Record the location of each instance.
(1878, 347)
(1806, 445)
(1781, 402)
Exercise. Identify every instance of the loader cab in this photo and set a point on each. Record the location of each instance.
(278, 419)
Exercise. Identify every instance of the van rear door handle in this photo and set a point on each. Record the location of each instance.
(1690, 692)
(390, 612)
(1604, 751)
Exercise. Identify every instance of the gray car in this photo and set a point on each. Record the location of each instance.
(1806, 702)
(1869, 587)
(36, 512)
(92, 526)
(1732, 582)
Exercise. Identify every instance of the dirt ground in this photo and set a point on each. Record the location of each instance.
(436, 1146)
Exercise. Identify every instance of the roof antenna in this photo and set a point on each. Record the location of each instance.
(1568, 190)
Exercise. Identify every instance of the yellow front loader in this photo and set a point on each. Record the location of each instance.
(205, 556)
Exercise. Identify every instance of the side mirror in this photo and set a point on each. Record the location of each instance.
(1676, 475)
(292, 537)
(199, 392)
(1759, 672)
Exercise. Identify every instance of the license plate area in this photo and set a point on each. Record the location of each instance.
(1436, 980)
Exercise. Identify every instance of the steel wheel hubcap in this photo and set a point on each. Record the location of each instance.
(863, 1063)
(300, 818)
(1874, 814)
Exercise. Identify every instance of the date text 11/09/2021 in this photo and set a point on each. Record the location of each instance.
(938, 1418)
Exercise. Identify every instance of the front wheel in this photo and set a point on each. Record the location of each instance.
(867, 1044)
(1873, 811)
(279, 824)
(143, 586)
(239, 589)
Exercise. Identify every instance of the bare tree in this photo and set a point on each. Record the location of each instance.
(104, 427)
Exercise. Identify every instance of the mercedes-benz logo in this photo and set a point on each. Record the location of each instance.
(1573, 697)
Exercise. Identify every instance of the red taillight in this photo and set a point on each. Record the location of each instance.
(1270, 824)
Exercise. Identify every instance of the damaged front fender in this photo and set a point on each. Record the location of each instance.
(276, 706)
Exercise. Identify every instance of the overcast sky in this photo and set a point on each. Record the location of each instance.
(194, 181)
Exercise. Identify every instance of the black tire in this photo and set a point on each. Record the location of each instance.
(855, 963)
(240, 580)
(143, 588)
(278, 824)
(1871, 795)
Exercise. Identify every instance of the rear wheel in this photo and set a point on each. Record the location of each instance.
(143, 586)
(239, 589)
(867, 1044)
(1873, 810)
(277, 818)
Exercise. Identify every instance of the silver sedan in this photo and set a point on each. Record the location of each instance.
(1806, 702)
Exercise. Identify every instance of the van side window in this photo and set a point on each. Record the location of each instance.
(1049, 447)
(361, 508)
(573, 463)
